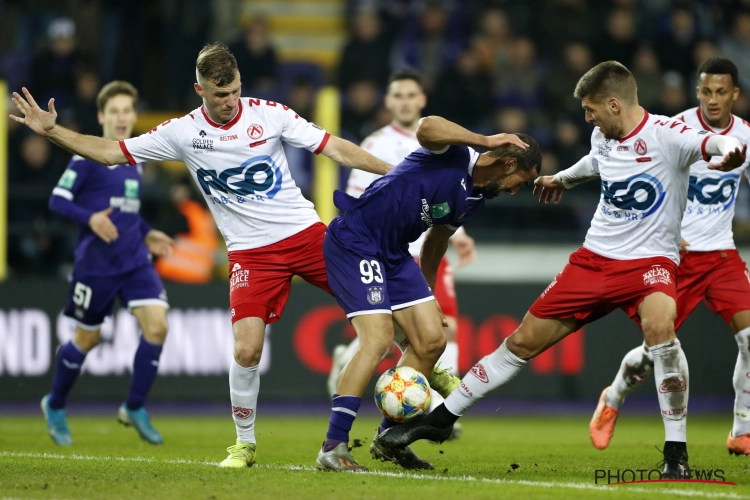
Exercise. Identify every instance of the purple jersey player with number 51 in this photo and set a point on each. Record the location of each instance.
(112, 258)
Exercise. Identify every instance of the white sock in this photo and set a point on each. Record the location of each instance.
(672, 384)
(244, 384)
(491, 372)
(636, 366)
(351, 350)
(741, 381)
(449, 358)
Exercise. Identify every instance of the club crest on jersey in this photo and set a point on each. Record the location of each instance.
(635, 198)
(375, 295)
(255, 131)
(712, 191)
(640, 147)
(257, 175)
(657, 275)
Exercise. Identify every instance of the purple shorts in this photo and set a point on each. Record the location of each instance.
(92, 297)
(363, 283)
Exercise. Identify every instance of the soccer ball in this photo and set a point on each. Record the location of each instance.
(402, 393)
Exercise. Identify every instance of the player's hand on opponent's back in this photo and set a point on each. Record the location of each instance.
(684, 246)
(547, 187)
(158, 243)
(34, 117)
(465, 249)
(731, 160)
(102, 226)
(499, 140)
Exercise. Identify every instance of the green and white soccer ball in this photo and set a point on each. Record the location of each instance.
(402, 393)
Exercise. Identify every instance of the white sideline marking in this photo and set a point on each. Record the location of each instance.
(402, 475)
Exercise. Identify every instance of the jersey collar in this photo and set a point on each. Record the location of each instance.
(402, 131)
(707, 127)
(227, 125)
(637, 129)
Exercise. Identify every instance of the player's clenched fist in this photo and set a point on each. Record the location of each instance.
(548, 187)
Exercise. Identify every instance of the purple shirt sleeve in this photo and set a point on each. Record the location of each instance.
(67, 208)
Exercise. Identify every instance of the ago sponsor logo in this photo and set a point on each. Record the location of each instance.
(635, 198)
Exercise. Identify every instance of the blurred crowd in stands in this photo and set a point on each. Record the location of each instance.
(490, 65)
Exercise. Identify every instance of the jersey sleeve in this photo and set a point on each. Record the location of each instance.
(72, 179)
(161, 143)
(300, 133)
(683, 144)
(70, 184)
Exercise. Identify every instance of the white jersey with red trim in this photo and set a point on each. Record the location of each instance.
(390, 144)
(644, 179)
(707, 222)
(240, 168)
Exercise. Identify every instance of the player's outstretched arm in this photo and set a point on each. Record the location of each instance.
(435, 132)
(45, 124)
(350, 155)
(732, 151)
(548, 188)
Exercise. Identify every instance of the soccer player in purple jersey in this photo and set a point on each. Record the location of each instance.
(437, 188)
(112, 258)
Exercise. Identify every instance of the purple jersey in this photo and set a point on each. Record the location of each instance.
(425, 189)
(87, 187)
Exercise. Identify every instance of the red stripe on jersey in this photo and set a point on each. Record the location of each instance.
(706, 127)
(259, 143)
(230, 123)
(703, 149)
(636, 129)
(401, 131)
(127, 154)
(643, 159)
(322, 143)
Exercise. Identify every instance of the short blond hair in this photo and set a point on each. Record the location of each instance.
(216, 64)
(112, 89)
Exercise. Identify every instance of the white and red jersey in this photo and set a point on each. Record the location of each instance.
(240, 168)
(707, 222)
(390, 144)
(644, 178)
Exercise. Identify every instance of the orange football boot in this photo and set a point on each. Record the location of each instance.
(739, 445)
(602, 425)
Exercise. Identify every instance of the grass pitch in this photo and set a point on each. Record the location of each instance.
(513, 457)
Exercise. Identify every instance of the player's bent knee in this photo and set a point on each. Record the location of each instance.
(155, 331)
(247, 354)
(87, 339)
(523, 346)
(658, 330)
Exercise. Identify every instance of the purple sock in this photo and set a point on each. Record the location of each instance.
(145, 365)
(68, 367)
(343, 412)
(386, 424)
